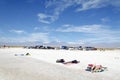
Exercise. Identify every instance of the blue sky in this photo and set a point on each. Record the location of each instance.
(75, 22)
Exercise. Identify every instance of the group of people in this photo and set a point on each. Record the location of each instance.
(68, 62)
(91, 67)
(96, 68)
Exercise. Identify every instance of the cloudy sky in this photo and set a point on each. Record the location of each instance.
(82, 22)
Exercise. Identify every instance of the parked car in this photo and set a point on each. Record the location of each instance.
(90, 48)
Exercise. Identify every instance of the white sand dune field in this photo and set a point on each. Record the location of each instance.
(41, 64)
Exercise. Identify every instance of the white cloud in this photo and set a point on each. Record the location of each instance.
(90, 4)
(67, 25)
(33, 37)
(17, 31)
(44, 18)
(36, 28)
(93, 33)
(84, 28)
(100, 41)
(43, 29)
(58, 6)
(89, 29)
(42, 37)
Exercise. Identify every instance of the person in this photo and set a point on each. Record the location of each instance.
(27, 54)
(60, 61)
(73, 62)
(89, 67)
(95, 68)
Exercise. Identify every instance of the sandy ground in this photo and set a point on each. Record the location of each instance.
(41, 64)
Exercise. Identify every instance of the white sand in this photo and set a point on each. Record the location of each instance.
(41, 65)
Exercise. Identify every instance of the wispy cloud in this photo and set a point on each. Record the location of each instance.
(37, 28)
(58, 6)
(44, 18)
(90, 4)
(31, 37)
(85, 28)
(17, 31)
(93, 29)
(43, 29)
(41, 37)
(95, 33)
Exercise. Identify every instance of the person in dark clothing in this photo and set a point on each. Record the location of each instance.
(60, 61)
(72, 62)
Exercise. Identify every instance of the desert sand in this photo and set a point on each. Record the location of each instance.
(41, 64)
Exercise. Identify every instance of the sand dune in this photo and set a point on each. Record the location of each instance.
(41, 65)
